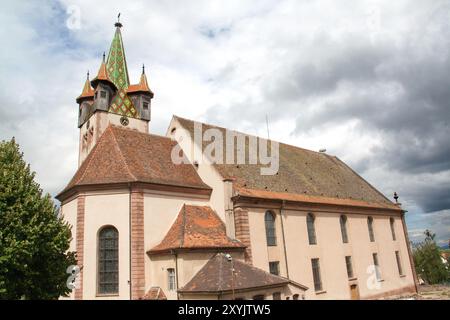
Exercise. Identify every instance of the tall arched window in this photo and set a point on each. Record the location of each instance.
(311, 228)
(271, 236)
(108, 261)
(343, 222)
(370, 227)
(392, 222)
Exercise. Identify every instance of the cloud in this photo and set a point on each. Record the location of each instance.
(368, 81)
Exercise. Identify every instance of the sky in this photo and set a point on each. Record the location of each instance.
(366, 80)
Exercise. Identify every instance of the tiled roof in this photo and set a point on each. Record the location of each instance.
(216, 277)
(196, 227)
(87, 92)
(301, 172)
(155, 293)
(142, 86)
(125, 155)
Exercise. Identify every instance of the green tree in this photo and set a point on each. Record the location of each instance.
(428, 262)
(34, 241)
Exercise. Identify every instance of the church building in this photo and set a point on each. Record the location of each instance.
(147, 227)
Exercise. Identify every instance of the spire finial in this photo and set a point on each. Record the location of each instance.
(87, 75)
(118, 24)
(143, 69)
(104, 56)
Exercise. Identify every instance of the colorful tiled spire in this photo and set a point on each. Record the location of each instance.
(116, 68)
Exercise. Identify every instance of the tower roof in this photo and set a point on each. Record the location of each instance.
(102, 75)
(116, 63)
(87, 92)
(142, 86)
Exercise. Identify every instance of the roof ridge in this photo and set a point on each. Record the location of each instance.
(247, 134)
(121, 155)
(90, 156)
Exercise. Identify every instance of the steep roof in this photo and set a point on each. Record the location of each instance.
(154, 293)
(196, 227)
(216, 277)
(301, 172)
(142, 86)
(125, 155)
(87, 92)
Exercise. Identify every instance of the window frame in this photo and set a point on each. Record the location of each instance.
(392, 224)
(171, 280)
(398, 258)
(311, 228)
(370, 229)
(99, 291)
(317, 277)
(271, 239)
(344, 230)
(376, 263)
(277, 266)
(349, 267)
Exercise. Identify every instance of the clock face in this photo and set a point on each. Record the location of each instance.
(124, 121)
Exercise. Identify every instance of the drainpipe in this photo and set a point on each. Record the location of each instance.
(284, 239)
(176, 273)
(129, 223)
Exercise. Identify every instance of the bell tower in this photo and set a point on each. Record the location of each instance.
(110, 99)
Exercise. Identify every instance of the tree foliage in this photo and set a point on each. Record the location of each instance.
(428, 261)
(34, 241)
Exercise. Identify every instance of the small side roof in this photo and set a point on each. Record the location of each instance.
(216, 277)
(196, 227)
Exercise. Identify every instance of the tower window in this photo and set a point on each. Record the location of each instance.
(271, 237)
(108, 261)
(103, 94)
(95, 95)
(145, 105)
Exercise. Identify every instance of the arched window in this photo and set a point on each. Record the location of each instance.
(370, 227)
(108, 261)
(311, 228)
(271, 236)
(392, 221)
(343, 222)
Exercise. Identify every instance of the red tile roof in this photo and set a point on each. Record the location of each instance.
(142, 86)
(196, 227)
(125, 155)
(264, 194)
(216, 277)
(301, 172)
(155, 293)
(87, 92)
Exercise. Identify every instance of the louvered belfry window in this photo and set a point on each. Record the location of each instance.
(108, 261)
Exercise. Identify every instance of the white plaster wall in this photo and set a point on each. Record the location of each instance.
(103, 210)
(332, 251)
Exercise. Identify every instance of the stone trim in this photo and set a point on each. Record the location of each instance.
(137, 245)
(80, 244)
(410, 255)
(242, 231)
